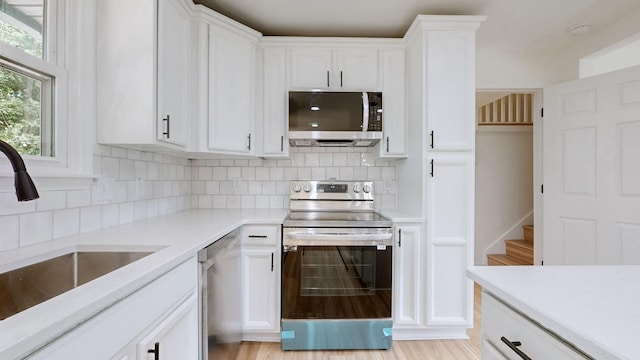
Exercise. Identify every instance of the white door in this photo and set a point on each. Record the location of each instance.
(591, 166)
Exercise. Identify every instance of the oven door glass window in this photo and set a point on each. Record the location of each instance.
(336, 282)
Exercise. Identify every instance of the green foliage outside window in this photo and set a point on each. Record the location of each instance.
(20, 96)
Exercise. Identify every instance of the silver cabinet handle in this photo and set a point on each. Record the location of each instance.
(399, 237)
(249, 138)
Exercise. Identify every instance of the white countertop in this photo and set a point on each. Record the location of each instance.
(179, 236)
(595, 308)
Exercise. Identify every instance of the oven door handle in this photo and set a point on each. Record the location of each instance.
(306, 238)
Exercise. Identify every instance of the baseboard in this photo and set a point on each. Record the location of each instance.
(429, 334)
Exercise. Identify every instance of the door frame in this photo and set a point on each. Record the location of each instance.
(537, 162)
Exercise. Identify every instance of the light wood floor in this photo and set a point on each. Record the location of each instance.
(428, 349)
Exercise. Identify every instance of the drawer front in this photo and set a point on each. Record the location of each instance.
(260, 235)
(500, 321)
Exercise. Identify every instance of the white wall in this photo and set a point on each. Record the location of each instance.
(504, 183)
(499, 68)
(597, 39)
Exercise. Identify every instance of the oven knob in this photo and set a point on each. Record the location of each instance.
(357, 188)
(307, 187)
(297, 188)
(366, 188)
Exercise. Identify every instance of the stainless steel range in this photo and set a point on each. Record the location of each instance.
(336, 268)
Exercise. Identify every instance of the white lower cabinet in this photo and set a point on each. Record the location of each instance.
(261, 282)
(406, 280)
(502, 324)
(176, 337)
(163, 311)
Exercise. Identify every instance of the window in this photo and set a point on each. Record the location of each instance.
(28, 76)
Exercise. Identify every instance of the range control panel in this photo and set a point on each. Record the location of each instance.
(331, 190)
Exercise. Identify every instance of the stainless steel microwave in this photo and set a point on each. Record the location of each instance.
(335, 118)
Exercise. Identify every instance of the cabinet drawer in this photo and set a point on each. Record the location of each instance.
(500, 321)
(260, 235)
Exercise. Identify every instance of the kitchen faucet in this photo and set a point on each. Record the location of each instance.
(25, 189)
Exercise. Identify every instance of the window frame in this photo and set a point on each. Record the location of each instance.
(69, 58)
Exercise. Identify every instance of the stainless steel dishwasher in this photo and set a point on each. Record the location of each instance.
(221, 297)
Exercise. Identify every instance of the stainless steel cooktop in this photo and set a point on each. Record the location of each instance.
(333, 204)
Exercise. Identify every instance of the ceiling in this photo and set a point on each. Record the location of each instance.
(530, 24)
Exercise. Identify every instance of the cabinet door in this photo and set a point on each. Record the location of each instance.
(231, 92)
(274, 117)
(393, 102)
(261, 282)
(356, 70)
(174, 49)
(260, 270)
(176, 337)
(451, 90)
(310, 68)
(406, 280)
(450, 230)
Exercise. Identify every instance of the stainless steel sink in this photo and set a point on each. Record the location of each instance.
(30, 285)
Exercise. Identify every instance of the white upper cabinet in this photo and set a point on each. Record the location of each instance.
(394, 123)
(272, 135)
(174, 62)
(338, 69)
(143, 76)
(451, 76)
(231, 92)
(226, 82)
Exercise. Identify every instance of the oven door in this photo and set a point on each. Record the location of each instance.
(336, 288)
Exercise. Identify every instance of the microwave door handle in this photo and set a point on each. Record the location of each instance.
(365, 111)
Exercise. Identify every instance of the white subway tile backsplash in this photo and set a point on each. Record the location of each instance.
(109, 215)
(219, 173)
(127, 170)
(311, 159)
(36, 227)
(262, 173)
(211, 188)
(125, 213)
(78, 198)
(66, 222)
(51, 200)
(9, 205)
(10, 238)
(318, 173)
(90, 218)
(110, 167)
(276, 174)
(340, 159)
(219, 201)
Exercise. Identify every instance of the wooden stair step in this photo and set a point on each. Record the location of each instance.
(521, 249)
(501, 259)
(528, 232)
